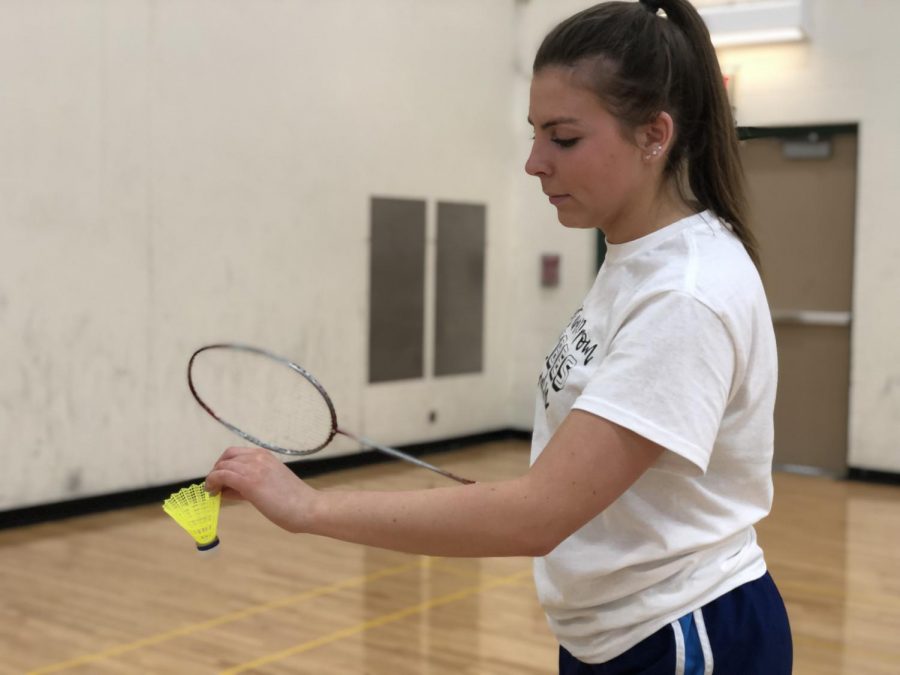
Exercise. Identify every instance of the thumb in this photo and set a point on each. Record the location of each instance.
(231, 493)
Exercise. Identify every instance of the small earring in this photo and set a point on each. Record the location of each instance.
(654, 152)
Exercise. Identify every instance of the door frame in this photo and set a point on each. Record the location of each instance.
(820, 132)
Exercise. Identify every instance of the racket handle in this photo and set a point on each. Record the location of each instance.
(406, 458)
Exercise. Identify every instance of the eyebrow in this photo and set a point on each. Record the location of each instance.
(555, 122)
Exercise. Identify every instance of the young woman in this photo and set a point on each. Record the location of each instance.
(653, 432)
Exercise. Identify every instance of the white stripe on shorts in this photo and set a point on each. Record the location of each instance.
(704, 642)
(679, 648)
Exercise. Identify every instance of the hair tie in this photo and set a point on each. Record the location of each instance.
(652, 6)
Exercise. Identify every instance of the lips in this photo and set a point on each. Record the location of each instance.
(556, 200)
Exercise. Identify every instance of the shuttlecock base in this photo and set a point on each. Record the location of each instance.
(208, 547)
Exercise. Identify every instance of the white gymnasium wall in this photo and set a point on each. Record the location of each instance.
(540, 313)
(182, 171)
(845, 74)
(177, 172)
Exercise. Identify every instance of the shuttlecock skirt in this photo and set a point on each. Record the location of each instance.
(197, 512)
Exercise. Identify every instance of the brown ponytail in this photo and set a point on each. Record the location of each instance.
(641, 64)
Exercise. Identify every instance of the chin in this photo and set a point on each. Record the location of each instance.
(575, 223)
(566, 219)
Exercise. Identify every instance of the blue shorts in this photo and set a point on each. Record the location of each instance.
(744, 632)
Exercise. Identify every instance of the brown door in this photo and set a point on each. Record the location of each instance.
(802, 191)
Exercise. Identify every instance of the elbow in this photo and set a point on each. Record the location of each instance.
(544, 542)
(530, 540)
(543, 550)
(542, 521)
(550, 530)
(541, 530)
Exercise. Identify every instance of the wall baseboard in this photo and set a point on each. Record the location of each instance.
(873, 476)
(40, 513)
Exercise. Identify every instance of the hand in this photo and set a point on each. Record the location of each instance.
(256, 476)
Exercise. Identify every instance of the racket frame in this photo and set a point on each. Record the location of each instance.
(250, 437)
(324, 394)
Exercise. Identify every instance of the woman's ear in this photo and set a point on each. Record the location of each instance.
(655, 138)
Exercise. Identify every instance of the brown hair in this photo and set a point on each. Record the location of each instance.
(640, 64)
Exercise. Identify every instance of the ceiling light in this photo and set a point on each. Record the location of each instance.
(755, 23)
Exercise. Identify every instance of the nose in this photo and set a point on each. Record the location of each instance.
(536, 164)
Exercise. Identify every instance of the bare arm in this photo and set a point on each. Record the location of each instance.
(588, 463)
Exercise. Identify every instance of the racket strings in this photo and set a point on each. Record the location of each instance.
(272, 402)
(265, 399)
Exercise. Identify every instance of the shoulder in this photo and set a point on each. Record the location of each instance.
(724, 276)
(696, 261)
(706, 261)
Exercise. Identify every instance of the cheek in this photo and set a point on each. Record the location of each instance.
(605, 176)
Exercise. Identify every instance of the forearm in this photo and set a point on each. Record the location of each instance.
(585, 467)
(484, 519)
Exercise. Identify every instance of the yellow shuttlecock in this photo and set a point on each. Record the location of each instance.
(197, 512)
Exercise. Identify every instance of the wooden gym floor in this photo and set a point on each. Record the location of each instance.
(125, 592)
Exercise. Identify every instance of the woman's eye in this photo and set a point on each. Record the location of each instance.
(566, 142)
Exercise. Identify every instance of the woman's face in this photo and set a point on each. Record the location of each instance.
(590, 172)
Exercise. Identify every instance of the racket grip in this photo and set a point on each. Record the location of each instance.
(406, 458)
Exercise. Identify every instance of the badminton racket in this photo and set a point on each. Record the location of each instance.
(273, 403)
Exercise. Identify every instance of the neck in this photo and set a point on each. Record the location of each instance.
(648, 213)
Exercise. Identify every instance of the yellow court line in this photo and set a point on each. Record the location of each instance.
(228, 618)
(379, 621)
(443, 565)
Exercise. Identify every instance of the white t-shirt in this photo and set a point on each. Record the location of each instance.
(675, 342)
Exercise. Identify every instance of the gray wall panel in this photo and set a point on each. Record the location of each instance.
(459, 311)
(397, 290)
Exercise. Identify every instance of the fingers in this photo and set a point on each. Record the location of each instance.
(227, 476)
(232, 452)
(238, 469)
(258, 477)
(235, 456)
(214, 486)
(230, 493)
(217, 481)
